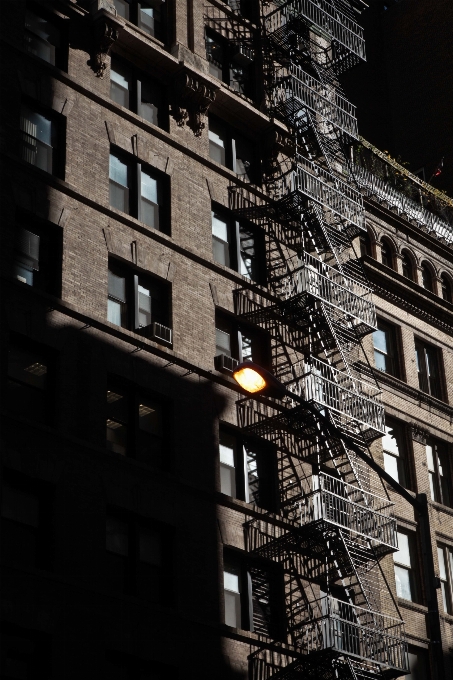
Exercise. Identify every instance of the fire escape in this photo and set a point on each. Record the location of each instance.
(335, 524)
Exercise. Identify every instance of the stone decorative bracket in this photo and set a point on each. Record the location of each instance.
(419, 434)
(106, 29)
(192, 97)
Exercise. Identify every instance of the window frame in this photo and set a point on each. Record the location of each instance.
(260, 340)
(61, 51)
(266, 463)
(446, 576)
(135, 170)
(429, 383)
(407, 264)
(44, 531)
(232, 139)
(446, 288)
(135, 524)
(401, 458)
(412, 569)
(233, 246)
(426, 271)
(134, 396)
(134, 18)
(57, 133)
(439, 472)
(387, 253)
(392, 333)
(135, 278)
(136, 79)
(223, 69)
(247, 569)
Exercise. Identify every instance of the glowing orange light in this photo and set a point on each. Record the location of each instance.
(249, 379)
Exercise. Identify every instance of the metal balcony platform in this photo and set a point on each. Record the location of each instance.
(310, 180)
(347, 630)
(296, 90)
(322, 15)
(350, 508)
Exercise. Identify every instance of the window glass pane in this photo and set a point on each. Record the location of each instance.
(391, 466)
(149, 201)
(151, 102)
(380, 361)
(246, 347)
(117, 536)
(252, 477)
(118, 171)
(219, 227)
(248, 253)
(37, 139)
(150, 417)
(20, 506)
(430, 457)
(115, 313)
(122, 7)
(389, 441)
(119, 83)
(36, 125)
(41, 37)
(144, 307)
(117, 286)
(215, 54)
(403, 554)
(227, 480)
(118, 406)
(441, 558)
(27, 367)
(150, 550)
(403, 584)
(23, 274)
(231, 581)
(380, 340)
(227, 447)
(223, 342)
(150, 17)
(116, 436)
(244, 158)
(217, 142)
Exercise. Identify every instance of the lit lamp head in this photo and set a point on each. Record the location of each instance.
(254, 379)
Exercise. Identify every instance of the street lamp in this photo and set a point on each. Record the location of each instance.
(257, 381)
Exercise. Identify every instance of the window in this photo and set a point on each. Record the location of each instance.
(138, 191)
(427, 278)
(139, 302)
(427, 358)
(240, 342)
(394, 448)
(26, 521)
(445, 558)
(135, 425)
(37, 255)
(237, 245)
(446, 288)
(136, 558)
(149, 16)
(385, 346)
(24, 653)
(40, 141)
(406, 263)
(232, 63)
(253, 595)
(43, 38)
(439, 472)
(365, 245)
(418, 664)
(247, 470)
(137, 92)
(229, 148)
(406, 586)
(387, 254)
(29, 380)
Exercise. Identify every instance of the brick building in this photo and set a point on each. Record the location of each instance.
(180, 194)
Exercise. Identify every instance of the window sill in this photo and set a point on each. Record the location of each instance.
(441, 508)
(414, 606)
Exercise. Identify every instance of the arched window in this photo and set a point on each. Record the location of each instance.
(446, 288)
(387, 253)
(427, 277)
(408, 269)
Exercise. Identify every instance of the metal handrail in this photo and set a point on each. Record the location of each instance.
(376, 524)
(321, 14)
(310, 92)
(318, 184)
(374, 186)
(331, 286)
(350, 630)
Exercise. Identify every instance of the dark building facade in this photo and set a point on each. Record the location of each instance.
(184, 189)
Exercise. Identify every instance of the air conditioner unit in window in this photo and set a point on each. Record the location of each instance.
(242, 54)
(225, 364)
(157, 332)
